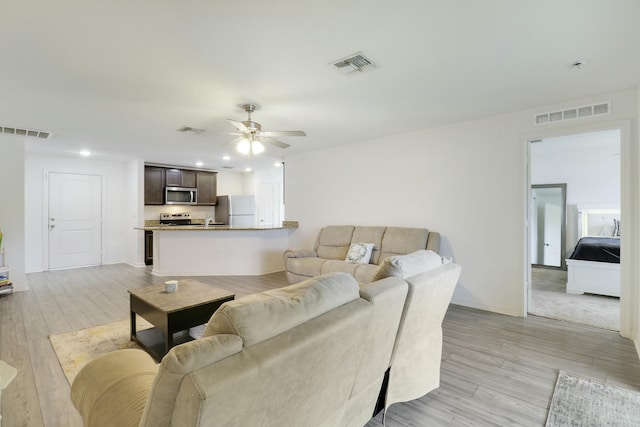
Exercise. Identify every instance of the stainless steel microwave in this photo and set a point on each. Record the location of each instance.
(180, 196)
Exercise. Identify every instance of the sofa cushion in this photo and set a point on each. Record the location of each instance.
(404, 266)
(333, 265)
(366, 272)
(370, 234)
(402, 240)
(258, 317)
(333, 241)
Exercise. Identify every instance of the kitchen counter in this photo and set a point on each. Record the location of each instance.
(219, 250)
(218, 227)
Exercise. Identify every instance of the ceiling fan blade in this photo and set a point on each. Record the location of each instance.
(239, 125)
(284, 133)
(274, 142)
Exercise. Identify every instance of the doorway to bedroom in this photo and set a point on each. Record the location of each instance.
(575, 194)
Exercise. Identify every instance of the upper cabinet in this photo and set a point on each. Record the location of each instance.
(207, 187)
(156, 178)
(154, 185)
(180, 178)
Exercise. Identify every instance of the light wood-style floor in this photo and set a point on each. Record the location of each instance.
(496, 370)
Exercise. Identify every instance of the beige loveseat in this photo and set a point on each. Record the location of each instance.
(310, 354)
(332, 244)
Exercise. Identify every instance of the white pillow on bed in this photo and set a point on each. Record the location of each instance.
(607, 230)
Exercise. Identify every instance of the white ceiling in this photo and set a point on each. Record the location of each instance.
(120, 77)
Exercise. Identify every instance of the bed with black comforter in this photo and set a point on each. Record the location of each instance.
(600, 249)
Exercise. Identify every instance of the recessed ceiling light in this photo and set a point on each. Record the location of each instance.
(85, 153)
(199, 164)
(226, 158)
(277, 164)
(248, 169)
(576, 65)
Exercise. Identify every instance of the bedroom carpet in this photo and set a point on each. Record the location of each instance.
(579, 401)
(593, 310)
(550, 300)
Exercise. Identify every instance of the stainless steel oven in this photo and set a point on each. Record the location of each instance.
(180, 196)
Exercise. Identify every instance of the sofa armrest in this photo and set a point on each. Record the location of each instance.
(300, 253)
(113, 389)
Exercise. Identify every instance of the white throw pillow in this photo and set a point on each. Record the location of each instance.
(408, 265)
(359, 253)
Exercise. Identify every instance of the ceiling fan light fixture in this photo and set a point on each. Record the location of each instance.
(243, 146)
(252, 138)
(257, 147)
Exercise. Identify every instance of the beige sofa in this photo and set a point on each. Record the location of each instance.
(333, 242)
(310, 354)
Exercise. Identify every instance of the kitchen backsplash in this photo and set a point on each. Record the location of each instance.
(152, 213)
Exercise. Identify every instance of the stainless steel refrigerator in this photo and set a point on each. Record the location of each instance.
(237, 211)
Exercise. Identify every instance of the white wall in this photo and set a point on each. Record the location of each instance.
(588, 163)
(467, 181)
(232, 182)
(135, 206)
(116, 182)
(12, 205)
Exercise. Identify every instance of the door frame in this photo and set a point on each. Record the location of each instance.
(45, 212)
(629, 208)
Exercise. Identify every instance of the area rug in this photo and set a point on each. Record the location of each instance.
(578, 401)
(74, 349)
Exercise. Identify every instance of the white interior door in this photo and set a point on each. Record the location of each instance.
(269, 204)
(552, 234)
(75, 220)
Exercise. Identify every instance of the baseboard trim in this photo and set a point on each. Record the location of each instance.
(509, 311)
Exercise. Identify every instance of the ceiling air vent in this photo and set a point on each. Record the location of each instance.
(25, 132)
(574, 113)
(189, 129)
(352, 63)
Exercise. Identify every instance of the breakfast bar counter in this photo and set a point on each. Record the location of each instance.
(219, 250)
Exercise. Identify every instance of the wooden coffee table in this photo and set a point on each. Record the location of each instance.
(172, 314)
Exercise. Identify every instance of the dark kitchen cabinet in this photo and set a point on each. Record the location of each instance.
(148, 247)
(180, 178)
(207, 187)
(154, 179)
(188, 179)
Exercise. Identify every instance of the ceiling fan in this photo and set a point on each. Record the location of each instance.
(252, 136)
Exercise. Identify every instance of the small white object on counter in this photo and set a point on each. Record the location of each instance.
(171, 286)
